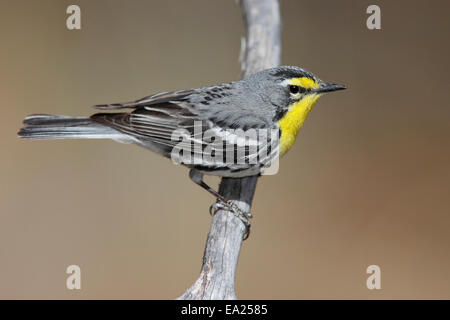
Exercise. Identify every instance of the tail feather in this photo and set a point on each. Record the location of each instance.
(46, 126)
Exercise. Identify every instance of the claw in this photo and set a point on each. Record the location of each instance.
(243, 216)
(216, 206)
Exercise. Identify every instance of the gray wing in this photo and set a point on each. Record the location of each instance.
(159, 98)
(155, 118)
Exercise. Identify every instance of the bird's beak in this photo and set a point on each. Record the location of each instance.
(329, 87)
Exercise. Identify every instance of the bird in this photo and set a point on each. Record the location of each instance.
(175, 124)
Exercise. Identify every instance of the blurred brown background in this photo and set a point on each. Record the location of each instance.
(367, 182)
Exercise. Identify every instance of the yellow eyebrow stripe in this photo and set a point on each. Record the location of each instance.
(304, 82)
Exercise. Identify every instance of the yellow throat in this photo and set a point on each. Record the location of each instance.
(293, 120)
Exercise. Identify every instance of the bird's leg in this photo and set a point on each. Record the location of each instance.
(222, 203)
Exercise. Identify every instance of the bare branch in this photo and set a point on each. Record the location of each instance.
(263, 42)
(260, 50)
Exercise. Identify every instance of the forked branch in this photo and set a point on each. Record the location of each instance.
(261, 49)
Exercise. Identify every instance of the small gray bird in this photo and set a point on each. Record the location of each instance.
(275, 99)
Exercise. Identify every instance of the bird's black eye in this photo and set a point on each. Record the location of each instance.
(294, 89)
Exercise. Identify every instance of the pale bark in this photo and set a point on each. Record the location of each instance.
(261, 49)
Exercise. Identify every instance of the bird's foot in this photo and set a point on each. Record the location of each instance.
(231, 206)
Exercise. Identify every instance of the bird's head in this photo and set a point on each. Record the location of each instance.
(292, 92)
(297, 83)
